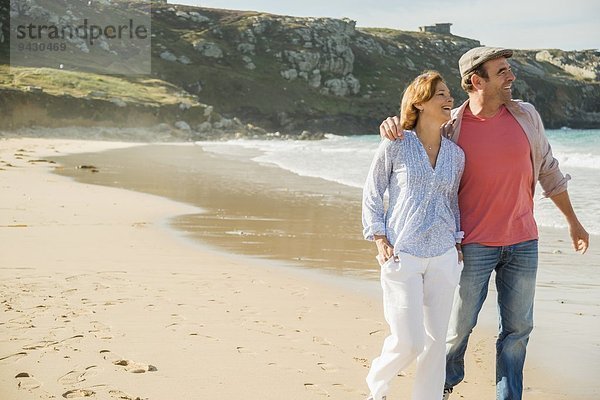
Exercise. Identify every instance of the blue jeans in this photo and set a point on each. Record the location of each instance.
(516, 268)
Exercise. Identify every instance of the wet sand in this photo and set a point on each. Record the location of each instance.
(252, 209)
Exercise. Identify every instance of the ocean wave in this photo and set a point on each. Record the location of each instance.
(553, 219)
(578, 160)
(340, 159)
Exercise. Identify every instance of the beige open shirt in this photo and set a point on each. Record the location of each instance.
(545, 166)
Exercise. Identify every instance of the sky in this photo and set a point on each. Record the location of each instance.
(517, 24)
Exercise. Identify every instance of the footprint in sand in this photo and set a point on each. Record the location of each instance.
(244, 350)
(76, 277)
(20, 323)
(302, 292)
(41, 161)
(211, 338)
(302, 312)
(480, 352)
(362, 361)
(327, 367)
(129, 366)
(117, 394)
(113, 275)
(344, 388)
(316, 389)
(78, 393)
(40, 345)
(100, 331)
(100, 286)
(52, 343)
(78, 376)
(13, 357)
(321, 341)
(177, 322)
(26, 381)
(134, 367)
(72, 339)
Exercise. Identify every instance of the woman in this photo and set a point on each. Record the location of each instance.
(418, 238)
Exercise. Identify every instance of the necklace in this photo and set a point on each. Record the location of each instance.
(427, 146)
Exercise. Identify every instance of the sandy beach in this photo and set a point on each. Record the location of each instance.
(169, 292)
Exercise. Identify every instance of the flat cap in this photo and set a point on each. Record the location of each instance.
(478, 55)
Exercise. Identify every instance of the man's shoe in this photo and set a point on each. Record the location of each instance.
(446, 395)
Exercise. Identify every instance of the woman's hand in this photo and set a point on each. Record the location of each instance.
(384, 249)
(460, 253)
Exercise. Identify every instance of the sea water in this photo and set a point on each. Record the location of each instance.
(346, 160)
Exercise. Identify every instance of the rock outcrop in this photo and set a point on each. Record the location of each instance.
(580, 64)
(326, 74)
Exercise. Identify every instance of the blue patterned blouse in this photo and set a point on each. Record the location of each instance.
(422, 218)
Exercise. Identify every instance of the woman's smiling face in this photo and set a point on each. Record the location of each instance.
(440, 105)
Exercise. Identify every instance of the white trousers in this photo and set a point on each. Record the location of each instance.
(417, 300)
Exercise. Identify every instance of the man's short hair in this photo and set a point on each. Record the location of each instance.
(465, 81)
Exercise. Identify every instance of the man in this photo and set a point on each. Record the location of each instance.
(506, 153)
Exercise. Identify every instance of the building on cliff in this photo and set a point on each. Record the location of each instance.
(443, 28)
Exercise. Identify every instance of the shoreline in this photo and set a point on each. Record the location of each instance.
(340, 361)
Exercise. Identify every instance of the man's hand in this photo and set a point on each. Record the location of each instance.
(579, 236)
(384, 249)
(390, 129)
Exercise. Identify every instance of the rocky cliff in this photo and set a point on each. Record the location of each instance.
(291, 75)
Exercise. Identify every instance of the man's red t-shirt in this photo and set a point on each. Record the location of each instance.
(495, 194)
